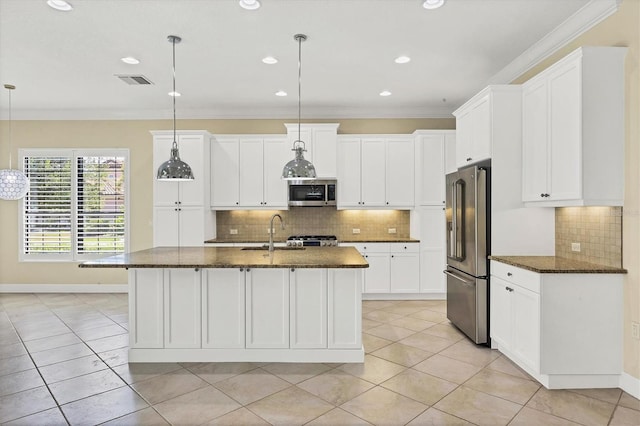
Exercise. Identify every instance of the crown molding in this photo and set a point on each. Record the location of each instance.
(584, 19)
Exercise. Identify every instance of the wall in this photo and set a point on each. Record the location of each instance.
(622, 29)
(253, 225)
(135, 136)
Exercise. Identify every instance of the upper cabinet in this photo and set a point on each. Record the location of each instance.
(474, 129)
(320, 141)
(375, 172)
(246, 172)
(573, 131)
(435, 157)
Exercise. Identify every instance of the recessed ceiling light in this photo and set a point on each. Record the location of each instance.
(60, 5)
(270, 60)
(176, 94)
(281, 93)
(432, 4)
(249, 4)
(130, 60)
(402, 59)
(385, 93)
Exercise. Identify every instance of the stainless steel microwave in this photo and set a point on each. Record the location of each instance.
(312, 193)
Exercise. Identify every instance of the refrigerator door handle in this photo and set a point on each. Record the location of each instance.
(465, 282)
(456, 251)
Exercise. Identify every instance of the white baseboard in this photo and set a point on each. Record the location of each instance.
(630, 385)
(64, 288)
(404, 296)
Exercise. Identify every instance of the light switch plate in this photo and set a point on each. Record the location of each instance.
(233, 231)
(575, 246)
(355, 231)
(392, 230)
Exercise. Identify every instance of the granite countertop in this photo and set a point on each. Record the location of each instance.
(233, 257)
(380, 240)
(280, 240)
(556, 265)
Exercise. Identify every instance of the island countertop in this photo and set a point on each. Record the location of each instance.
(233, 257)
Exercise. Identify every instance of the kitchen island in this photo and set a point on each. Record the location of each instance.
(234, 304)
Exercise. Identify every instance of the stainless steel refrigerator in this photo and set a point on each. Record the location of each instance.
(467, 213)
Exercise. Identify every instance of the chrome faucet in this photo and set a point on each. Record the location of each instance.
(271, 248)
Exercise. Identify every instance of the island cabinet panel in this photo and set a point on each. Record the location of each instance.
(146, 318)
(182, 319)
(345, 308)
(223, 307)
(267, 308)
(308, 297)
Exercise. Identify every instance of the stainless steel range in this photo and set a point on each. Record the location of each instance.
(312, 241)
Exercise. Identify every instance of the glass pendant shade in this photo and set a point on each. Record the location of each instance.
(13, 184)
(299, 168)
(174, 168)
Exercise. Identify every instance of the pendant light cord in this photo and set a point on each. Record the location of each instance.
(299, 78)
(10, 88)
(175, 143)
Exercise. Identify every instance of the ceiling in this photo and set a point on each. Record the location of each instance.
(64, 63)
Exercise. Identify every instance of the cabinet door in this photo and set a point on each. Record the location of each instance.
(535, 153)
(182, 320)
(464, 132)
(225, 172)
(223, 308)
(165, 193)
(373, 177)
(500, 311)
(345, 308)
(308, 315)
(191, 193)
(432, 250)
(191, 224)
(482, 130)
(267, 308)
(349, 173)
(526, 326)
(324, 152)
(399, 172)
(376, 276)
(450, 153)
(251, 173)
(146, 296)
(432, 179)
(166, 226)
(405, 272)
(565, 133)
(275, 157)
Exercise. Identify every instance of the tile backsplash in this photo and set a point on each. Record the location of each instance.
(253, 224)
(598, 230)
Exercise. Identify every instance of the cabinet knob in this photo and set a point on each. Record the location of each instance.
(509, 289)
(405, 247)
(387, 203)
(546, 195)
(469, 159)
(237, 203)
(509, 274)
(293, 270)
(542, 195)
(366, 255)
(392, 256)
(241, 269)
(248, 270)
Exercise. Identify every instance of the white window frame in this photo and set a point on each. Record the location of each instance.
(73, 154)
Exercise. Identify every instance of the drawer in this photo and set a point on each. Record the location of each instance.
(373, 247)
(522, 277)
(404, 247)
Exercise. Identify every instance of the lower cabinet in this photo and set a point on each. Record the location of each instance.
(256, 308)
(564, 329)
(393, 267)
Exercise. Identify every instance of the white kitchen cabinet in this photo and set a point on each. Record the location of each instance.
(344, 322)
(377, 276)
(433, 258)
(247, 172)
(146, 306)
(376, 172)
(321, 143)
(308, 296)
(223, 308)
(573, 130)
(435, 157)
(181, 212)
(474, 131)
(564, 329)
(267, 308)
(182, 303)
(404, 268)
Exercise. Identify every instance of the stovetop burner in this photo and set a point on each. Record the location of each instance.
(312, 240)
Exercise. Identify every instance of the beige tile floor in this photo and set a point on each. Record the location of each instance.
(63, 360)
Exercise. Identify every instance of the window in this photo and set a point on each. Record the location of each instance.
(77, 206)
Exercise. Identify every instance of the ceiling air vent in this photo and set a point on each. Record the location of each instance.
(135, 80)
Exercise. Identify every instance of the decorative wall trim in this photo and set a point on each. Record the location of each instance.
(584, 19)
(63, 288)
(630, 385)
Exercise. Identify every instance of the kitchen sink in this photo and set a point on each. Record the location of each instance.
(275, 248)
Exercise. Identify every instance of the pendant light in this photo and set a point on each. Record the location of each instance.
(299, 168)
(174, 168)
(13, 183)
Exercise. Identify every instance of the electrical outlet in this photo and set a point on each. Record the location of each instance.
(355, 231)
(635, 330)
(392, 230)
(233, 231)
(575, 247)
(269, 231)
